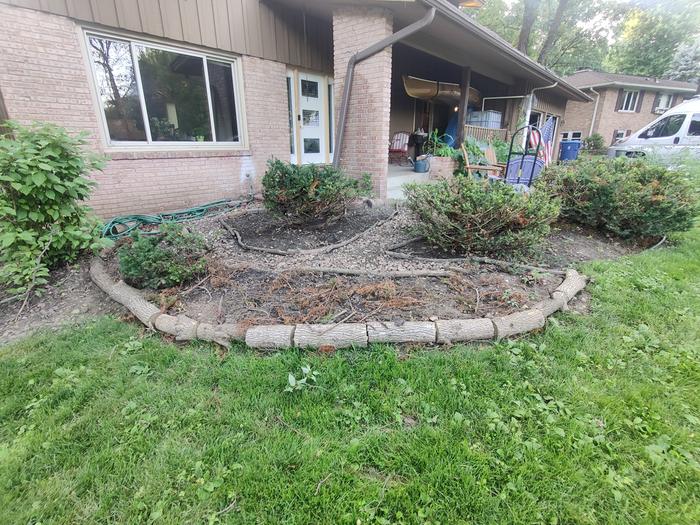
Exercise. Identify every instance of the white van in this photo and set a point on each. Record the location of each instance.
(675, 132)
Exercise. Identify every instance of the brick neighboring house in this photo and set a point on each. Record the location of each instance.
(622, 104)
(188, 99)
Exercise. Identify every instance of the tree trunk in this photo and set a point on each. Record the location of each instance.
(529, 17)
(553, 31)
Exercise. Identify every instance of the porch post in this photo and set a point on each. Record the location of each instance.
(366, 142)
(463, 102)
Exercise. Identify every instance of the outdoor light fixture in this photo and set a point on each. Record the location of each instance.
(472, 3)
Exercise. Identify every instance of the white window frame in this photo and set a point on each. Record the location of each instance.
(149, 144)
(623, 132)
(569, 135)
(630, 99)
(661, 108)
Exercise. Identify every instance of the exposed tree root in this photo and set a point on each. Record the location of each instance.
(504, 265)
(371, 273)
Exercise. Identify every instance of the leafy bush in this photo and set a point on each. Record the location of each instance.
(630, 198)
(594, 143)
(501, 148)
(172, 257)
(43, 221)
(463, 215)
(311, 191)
(437, 146)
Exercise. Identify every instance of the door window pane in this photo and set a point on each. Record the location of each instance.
(311, 118)
(309, 88)
(223, 101)
(175, 94)
(116, 84)
(312, 145)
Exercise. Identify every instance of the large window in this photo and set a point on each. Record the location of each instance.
(694, 128)
(629, 101)
(155, 95)
(664, 102)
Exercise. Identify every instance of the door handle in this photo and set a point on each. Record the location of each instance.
(676, 140)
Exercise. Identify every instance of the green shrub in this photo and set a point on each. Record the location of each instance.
(463, 215)
(437, 146)
(308, 192)
(172, 257)
(630, 198)
(594, 143)
(43, 220)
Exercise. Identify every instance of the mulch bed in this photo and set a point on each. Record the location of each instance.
(261, 288)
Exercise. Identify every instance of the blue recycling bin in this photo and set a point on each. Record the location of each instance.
(568, 149)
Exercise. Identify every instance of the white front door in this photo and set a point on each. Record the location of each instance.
(312, 115)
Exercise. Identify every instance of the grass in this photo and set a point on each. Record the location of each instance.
(595, 420)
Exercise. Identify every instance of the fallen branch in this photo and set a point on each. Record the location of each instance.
(181, 326)
(364, 273)
(658, 244)
(313, 251)
(505, 265)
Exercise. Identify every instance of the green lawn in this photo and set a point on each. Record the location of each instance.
(595, 420)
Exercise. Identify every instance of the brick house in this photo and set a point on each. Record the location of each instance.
(622, 104)
(188, 99)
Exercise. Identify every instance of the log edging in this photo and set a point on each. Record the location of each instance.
(279, 336)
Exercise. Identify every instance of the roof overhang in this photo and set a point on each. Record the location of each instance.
(457, 38)
(659, 87)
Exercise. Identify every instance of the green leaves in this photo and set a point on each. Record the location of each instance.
(629, 198)
(465, 215)
(310, 192)
(162, 261)
(42, 219)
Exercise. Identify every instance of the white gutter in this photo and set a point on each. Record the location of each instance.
(595, 110)
(659, 87)
(530, 99)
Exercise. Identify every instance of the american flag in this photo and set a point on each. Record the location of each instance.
(547, 142)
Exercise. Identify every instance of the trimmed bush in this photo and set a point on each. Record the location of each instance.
(309, 192)
(627, 197)
(43, 220)
(594, 143)
(172, 257)
(464, 215)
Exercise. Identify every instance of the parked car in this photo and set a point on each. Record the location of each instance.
(675, 132)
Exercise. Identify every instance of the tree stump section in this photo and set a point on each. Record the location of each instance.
(270, 336)
(459, 330)
(337, 336)
(518, 323)
(408, 332)
(572, 284)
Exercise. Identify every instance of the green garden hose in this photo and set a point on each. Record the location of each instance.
(123, 225)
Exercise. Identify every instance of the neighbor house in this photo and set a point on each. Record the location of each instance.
(188, 99)
(621, 105)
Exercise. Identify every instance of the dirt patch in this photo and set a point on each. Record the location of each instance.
(265, 230)
(260, 288)
(71, 297)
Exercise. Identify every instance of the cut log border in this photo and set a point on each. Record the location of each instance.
(341, 334)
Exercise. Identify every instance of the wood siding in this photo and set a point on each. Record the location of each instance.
(248, 27)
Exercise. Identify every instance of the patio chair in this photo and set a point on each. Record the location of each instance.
(490, 169)
(398, 148)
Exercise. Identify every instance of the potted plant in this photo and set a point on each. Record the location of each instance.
(443, 162)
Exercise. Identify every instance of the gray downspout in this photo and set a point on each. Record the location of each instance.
(363, 55)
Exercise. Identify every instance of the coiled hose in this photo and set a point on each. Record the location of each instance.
(123, 225)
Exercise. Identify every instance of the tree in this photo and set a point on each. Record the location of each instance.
(649, 41)
(686, 63)
(553, 31)
(529, 18)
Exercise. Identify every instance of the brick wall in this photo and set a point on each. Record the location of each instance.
(367, 125)
(43, 76)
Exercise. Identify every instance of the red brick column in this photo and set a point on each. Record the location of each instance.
(366, 144)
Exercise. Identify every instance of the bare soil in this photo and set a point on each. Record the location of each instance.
(261, 288)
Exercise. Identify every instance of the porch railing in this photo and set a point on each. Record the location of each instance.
(485, 134)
